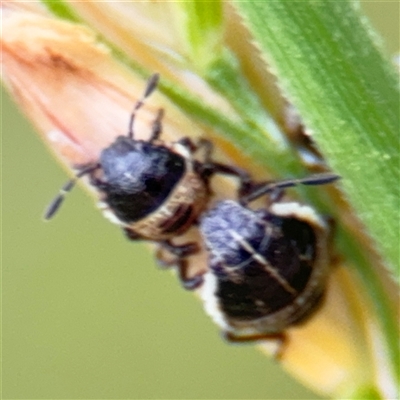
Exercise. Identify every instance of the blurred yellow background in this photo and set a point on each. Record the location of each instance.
(86, 314)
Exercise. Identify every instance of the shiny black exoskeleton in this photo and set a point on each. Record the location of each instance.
(154, 190)
(269, 267)
(138, 177)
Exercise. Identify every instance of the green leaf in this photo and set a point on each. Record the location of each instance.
(61, 10)
(331, 69)
(367, 393)
(202, 29)
(347, 93)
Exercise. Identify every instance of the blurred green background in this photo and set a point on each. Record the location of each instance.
(86, 314)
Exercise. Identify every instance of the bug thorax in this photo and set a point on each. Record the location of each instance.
(229, 229)
(241, 240)
(134, 166)
(137, 176)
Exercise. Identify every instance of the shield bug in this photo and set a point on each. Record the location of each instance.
(268, 267)
(152, 189)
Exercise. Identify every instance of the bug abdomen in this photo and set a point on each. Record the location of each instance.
(275, 270)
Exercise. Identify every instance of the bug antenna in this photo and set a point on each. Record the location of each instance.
(157, 126)
(150, 87)
(316, 179)
(58, 200)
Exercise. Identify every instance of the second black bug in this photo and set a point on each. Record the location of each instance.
(267, 268)
(152, 189)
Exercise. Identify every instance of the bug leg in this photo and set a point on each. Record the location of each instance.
(208, 149)
(188, 143)
(280, 339)
(132, 235)
(245, 182)
(181, 265)
(181, 251)
(188, 283)
(210, 167)
(179, 261)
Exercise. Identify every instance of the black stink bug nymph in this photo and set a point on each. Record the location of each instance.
(152, 189)
(269, 267)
